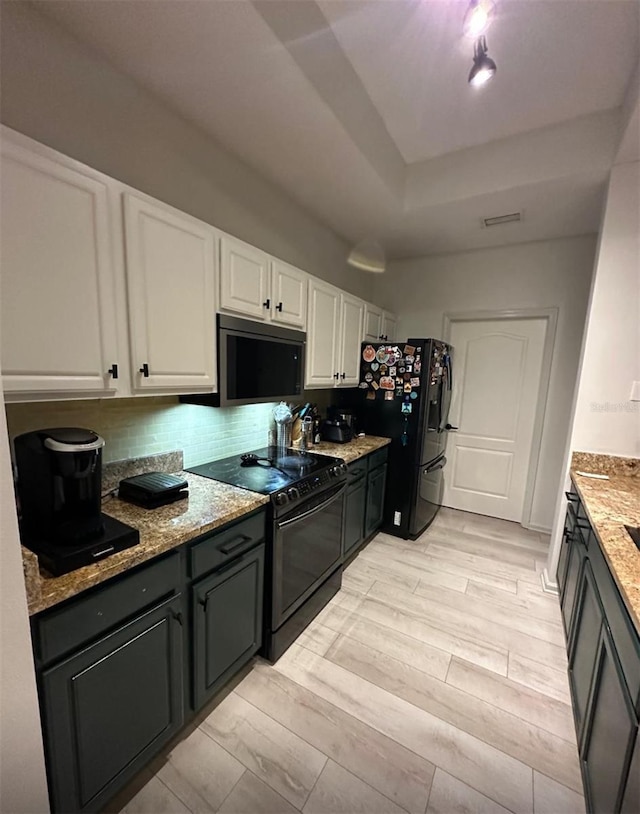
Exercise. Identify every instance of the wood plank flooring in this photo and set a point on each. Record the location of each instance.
(433, 683)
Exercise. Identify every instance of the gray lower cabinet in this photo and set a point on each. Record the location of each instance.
(377, 481)
(604, 670)
(227, 622)
(364, 500)
(111, 706)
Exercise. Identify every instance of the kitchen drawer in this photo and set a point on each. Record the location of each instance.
(223, 546)
(623, 633)
(81, 620)
(378, 458)
(357, 469)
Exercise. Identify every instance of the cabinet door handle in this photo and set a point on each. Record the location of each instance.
(235, 543)
(177, 615)
(279, 307)
(267, 303)
(343, 375)
(336, 375)
(144, 370)
(113, 370)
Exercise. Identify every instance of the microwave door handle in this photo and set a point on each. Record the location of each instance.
(315, 510)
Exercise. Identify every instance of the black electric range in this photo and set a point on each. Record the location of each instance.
(288, 477)
(304, 549)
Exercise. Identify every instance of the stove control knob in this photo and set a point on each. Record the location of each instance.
(343, 469)
(293, 493)
(337, 470)
(281, 498)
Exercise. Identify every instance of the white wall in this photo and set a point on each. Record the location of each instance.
(57, 91)
(605, 420)
(23, 786)
(543, 274)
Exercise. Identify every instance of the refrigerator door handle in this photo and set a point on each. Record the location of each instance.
(439, 464)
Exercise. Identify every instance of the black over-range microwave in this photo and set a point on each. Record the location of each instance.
(256, 363)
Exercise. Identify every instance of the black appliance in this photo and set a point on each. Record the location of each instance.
(59, 489)
(336, 431)
(153, 489)
(304, 540)
(405, 395)
(256, 363)
(346, 414)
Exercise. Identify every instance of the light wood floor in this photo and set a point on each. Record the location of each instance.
(435, 681)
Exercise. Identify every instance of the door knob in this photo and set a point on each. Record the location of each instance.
(450, 427)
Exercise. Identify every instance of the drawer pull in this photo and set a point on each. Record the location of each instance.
(232, 546)
(571, 497)
(177, 615)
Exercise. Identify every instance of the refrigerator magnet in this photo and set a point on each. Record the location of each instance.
(368, 377)
(401, 370)
(392, 371)
(413, 394)
(369, 354)
(364, 385)
(375, 385)
(407, 377)
(374, 366)
(371, 394)
(407, 387)
(417, 367)
(409, 368)
(382, 355)
(415, 382)
(388, 395)
(409, 350)
(398, 392)
(387, 383)
(406, 408)
(410, 359)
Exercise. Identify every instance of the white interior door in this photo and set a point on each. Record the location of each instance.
(496, 381)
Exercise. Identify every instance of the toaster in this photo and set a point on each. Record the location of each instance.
(336, 431)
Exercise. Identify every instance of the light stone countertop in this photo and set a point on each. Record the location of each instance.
(210, 505)
(610, 505)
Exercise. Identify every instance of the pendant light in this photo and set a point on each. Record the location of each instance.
(368, 255)
(484, 68)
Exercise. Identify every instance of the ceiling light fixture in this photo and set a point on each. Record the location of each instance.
(368, 255)
(484, 68)
(478, 18)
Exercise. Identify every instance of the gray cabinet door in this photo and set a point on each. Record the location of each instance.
(227, 629)
(577, 553)
(354, 516)
(631, 799)
(587, 624)
(611, 729)
(109, 708)
(375, 499)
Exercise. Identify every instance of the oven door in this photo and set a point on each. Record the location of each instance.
(307, 547)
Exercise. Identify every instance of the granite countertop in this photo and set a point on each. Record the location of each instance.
(210, 505)
(610, 505)
(352, 450)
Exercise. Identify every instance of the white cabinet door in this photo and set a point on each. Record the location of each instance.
(389, 327)
(170, 279)
(288, 295)
(322, 335)
(59, 332)
(351, 320)
(372, 322)
(244, 279)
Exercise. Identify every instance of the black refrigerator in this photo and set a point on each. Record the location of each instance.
(405, 394)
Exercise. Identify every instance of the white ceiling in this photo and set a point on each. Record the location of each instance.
(361, 109)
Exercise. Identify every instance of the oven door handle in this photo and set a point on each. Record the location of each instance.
(335, 495)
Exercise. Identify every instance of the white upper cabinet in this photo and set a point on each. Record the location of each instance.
(389, 327)
(59, 331)
(244, 279)
(372, 322)
(323, 340)
(288, 295)
(170, 279)
(379, 325)
(254, 285)
(351, 322)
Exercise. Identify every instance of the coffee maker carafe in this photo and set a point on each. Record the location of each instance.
(60, 484)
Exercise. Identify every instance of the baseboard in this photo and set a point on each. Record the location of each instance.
(535, 527)
(548, 585)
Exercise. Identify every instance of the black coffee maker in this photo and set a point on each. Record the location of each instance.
(60, 494)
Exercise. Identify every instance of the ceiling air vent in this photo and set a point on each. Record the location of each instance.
(514, 217)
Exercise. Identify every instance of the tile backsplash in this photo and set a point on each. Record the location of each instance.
(144, 426)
